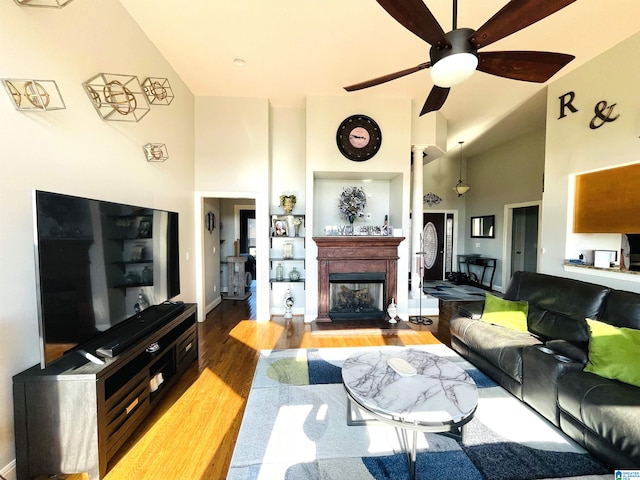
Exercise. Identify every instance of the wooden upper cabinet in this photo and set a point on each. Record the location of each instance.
(608, 201)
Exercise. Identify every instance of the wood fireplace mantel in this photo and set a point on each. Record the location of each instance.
(355, 254)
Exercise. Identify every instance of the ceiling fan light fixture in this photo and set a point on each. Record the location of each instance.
(454, 69)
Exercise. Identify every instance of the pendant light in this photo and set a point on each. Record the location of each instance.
(461, 187)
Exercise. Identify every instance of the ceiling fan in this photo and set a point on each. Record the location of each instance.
(454, 56)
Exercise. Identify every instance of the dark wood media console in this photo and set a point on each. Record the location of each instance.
(75, 415)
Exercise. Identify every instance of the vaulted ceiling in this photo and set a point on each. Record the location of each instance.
(295, 48)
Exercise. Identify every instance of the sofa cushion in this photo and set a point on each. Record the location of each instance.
(622, 309)
(558, 306)
(606, 407)
(614, 352)
(502, 347)
(505, 313)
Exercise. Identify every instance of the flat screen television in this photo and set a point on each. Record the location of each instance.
(99, 264)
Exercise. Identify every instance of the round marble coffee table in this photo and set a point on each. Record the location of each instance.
(439, 398)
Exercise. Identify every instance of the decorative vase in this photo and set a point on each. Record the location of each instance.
(147, 276)
(288, 302)
(279, 273)
(352, 219)
(296, 228)
(294, 275)
(142, 303)
(392, 310)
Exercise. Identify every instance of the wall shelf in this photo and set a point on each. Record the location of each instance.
(278, 255)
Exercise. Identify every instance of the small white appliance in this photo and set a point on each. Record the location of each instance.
(604, 258)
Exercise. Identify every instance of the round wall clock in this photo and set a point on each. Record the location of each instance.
(359, 138)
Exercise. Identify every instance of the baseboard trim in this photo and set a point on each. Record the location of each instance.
(213, 305)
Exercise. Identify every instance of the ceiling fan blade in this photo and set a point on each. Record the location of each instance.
(386, 78)
(418, 19)
(435, 100)
(523, 65)
(514, 16)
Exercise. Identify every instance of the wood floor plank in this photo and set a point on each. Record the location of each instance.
(192, 433)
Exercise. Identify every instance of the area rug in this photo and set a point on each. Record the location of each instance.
(294, 428)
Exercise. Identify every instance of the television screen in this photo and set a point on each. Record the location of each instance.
(98, 264)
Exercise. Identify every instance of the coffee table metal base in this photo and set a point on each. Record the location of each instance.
(455, 431)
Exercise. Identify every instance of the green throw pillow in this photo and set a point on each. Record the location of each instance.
(505, 313)
(614, 352)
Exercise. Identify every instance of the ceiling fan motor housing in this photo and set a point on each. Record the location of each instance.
(459, 40)
(458, 62)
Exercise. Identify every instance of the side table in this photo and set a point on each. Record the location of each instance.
(447, 308)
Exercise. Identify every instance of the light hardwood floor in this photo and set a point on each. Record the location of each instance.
(191, 435)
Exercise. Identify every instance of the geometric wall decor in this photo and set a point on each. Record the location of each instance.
(34, 95)
(155, 152)
(117, 97)
(158, 91)
(43, 3)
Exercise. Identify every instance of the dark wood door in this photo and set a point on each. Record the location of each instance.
(433, 235)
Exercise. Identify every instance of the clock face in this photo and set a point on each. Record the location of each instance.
(359, 138)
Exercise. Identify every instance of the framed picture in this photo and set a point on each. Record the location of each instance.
(144, 229)
(280, 227)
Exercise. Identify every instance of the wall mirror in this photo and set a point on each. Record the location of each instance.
(483, 227)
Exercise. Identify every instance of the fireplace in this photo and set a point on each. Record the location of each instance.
(356, 295)
(372, 263)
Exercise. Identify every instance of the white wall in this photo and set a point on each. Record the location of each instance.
(73, 151)
(232, 161)
(572, 148)
(211, 257)
(324, 161)
(507, 174)
(288, 160)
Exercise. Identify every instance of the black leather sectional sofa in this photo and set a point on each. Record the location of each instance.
(544, 366)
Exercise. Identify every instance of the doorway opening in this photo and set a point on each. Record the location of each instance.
(522, 237)
(227, 239)
(437, 238)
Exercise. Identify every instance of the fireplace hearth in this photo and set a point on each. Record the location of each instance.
(356, 296)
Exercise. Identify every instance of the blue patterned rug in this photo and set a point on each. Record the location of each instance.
(294, 428)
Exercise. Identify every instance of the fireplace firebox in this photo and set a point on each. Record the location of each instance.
(355, 296)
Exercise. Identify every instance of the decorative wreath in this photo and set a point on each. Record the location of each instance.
(352, 202)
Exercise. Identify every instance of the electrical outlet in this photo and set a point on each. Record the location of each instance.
(478, 245)
(215, 288)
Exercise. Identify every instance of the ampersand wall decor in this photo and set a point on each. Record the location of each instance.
(603, 115)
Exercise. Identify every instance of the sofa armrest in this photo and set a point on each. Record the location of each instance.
(471, 310)
(569, 350)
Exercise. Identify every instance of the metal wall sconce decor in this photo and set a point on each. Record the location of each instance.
(117, 97)
(210, 221)
(34, 95)
(158, 91)
(155, 152)
(44, 3)
(431, 199)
